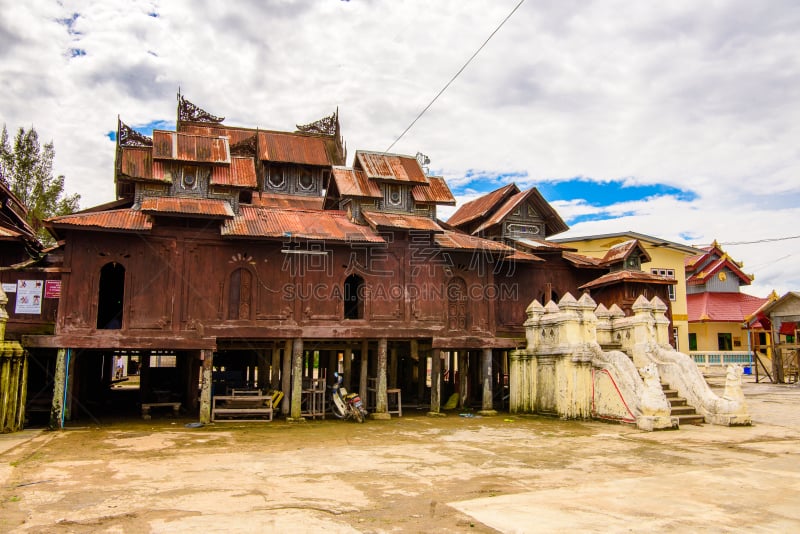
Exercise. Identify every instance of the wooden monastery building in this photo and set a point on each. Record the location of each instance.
(243, 258)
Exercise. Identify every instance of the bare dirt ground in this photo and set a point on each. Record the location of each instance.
(411, 474)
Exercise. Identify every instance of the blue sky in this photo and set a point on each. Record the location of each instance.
(679, 120)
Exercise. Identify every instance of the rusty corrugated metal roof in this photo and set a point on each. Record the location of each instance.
(137, 162)
(127, 219)
(459, 241)
(481, 206)
(234, 134)
(519, 255)
(437, 193)
(255, 221)
(619, 252)
(198, 207)
(390, 167)
(579, 260)
(240, 173)
(354, 183)
(293, 148)
(401, 221)
(628, 276)
(190, 147)
(554, 224)
(297, 202)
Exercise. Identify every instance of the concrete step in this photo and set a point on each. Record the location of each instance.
(683, 410)
(695, 419)
(680, 408)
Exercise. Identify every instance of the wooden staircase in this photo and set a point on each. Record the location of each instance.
(686, 414)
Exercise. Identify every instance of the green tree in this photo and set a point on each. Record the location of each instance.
(26, 168)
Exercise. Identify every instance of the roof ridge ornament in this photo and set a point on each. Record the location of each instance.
(127, 136)
(188, 112)
(326, 125)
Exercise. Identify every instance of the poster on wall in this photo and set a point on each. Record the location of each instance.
(52, 289)
(9, 288)
(29, 296)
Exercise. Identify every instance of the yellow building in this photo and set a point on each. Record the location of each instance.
(666, 259)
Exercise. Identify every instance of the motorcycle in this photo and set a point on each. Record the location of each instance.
(346, 405)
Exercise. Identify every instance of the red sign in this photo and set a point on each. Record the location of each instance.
(52, 289)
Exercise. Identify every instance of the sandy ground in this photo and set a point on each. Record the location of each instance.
(411, 474)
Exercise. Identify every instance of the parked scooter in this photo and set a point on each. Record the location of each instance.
(346, 405)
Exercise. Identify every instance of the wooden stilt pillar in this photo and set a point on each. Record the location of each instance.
(207, 356)
(362, 379)
(274, 370)
(286, 376)
(436, 382)
(59, 387)
(347, 364)
(381, 400)
(422, 370)
(487, 406)
(463, 379)
(297, 380)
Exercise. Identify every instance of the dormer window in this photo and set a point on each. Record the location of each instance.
(276, 178)
(632, 263)
(306, 180)
(395, 196)
(189, 180)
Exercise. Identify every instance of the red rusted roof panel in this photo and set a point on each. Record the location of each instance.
(437, 193)
(619, 252)
(255, 221)
(235, 135)
(391, 167)
(297, 202)
(205, 207)
(128, 219)
(579, 260)
(190, 147)
(292, 148)
(459, 241)
(240, 173)
(354, 183)
(137, 162)
(481, 206)
(401, 221)
(628, 276)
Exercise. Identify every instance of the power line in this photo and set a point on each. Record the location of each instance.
(765, 240)
(421, 113)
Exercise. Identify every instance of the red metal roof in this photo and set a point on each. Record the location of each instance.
(234, 134)
(354, 183)
(579, 260)
(401, 221)
(628, 276)
(254, 221)
(390, 167)
(240, 173)
(553, 221)
(716, 266)
(459, 241)
(201, 207)
(437, 193)
(722, 307)
(518, 255)
(481, 205)
(190, 147)
(293, 148)
(297, 202)
(126, 219)
(137, 162)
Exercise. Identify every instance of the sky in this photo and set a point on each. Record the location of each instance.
(677, 119)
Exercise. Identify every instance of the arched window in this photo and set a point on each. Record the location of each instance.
(239, 294)
(353, 297)
(110, 296)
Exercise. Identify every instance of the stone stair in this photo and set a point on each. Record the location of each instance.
(686, 414)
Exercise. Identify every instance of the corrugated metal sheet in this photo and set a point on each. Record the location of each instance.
(234, 135)
(458, 241)
(518, 255)
(481, 206)
(254, 221)
(579, 260)
(390, 167)
(401, 221)
(137, 162)
(722, 307)
(619, 252)
(628, 276)
(240, 173)
(190, 147)
(128, 219)
(437, 193)
(271, 200)
(293, 148)
(204, 207)
(541, 245)
(353, 183)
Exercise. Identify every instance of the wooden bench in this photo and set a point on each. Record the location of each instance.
(176, 407)
(244, 408)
